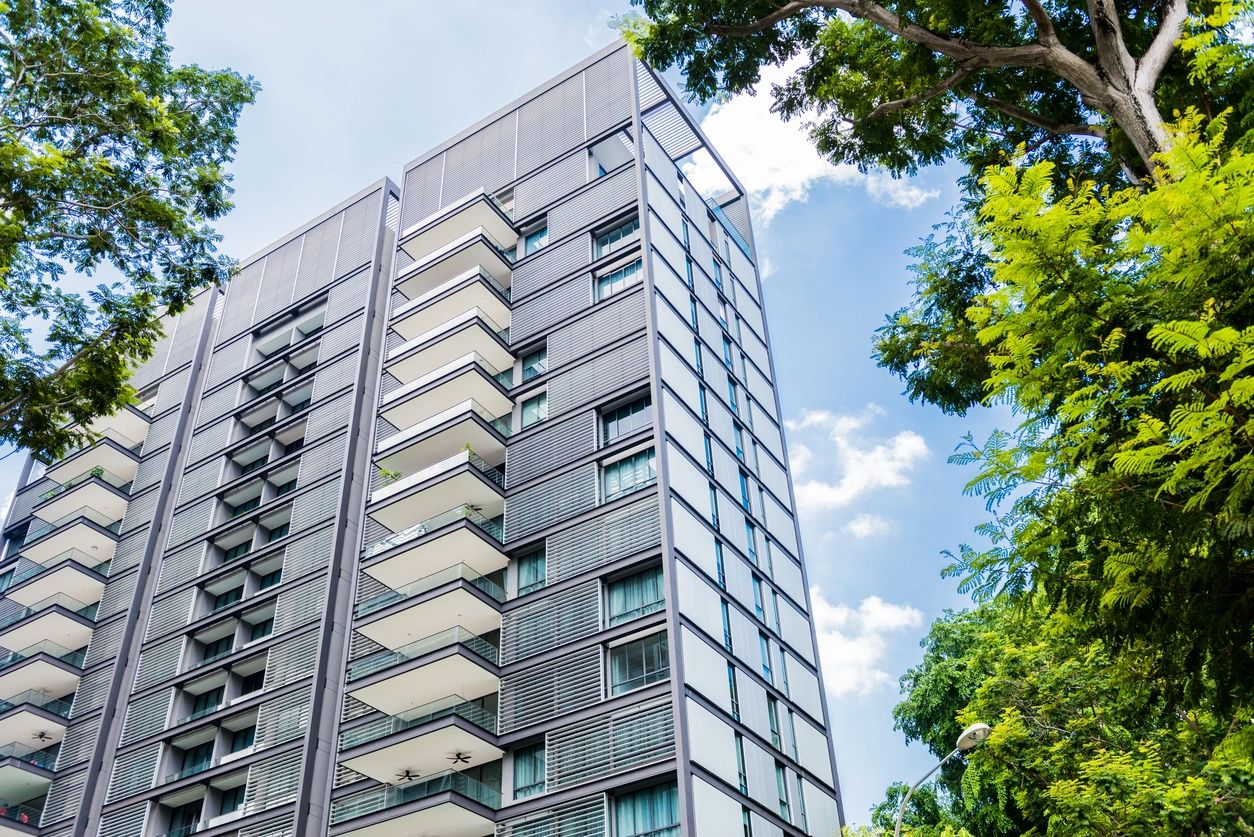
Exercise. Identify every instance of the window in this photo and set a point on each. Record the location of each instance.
(718, 564)
(731, 396)
(759, 607)
(246, 506)
(535, 364)
(652, 812)
(270, 579)
(718, 274)
(6, 580)
(616, 238)
(696, 353)
(709, 453)
(259, 462)
(280, 490)
(629, 474)
(185, 819)
(692, 313)
(535, 409)
(536, 240)
(722, 313)
(741, 775)
(532, 571)
(688, 273)
(197, 758)
(727, 351)
(751, 542)
(639, 663)
(243, 739)
(227, 598)
(687, 241)
(206, 702)
(738, 435)
(733, 691)
(714, 505)
(764, 649)
(705, 412)
(772, 714)
(279, 531)
(219, 647)
(529, 771)
(232, 799)
(635, 596)
(261, 629)
(781, 785)
(628, 418)
(746, 824)
(616, 280)
(726, 615)
(250, 683)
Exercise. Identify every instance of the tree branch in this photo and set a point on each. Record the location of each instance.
(932, 92)
(1175, 13)
(1024, 115)
(1044, 24)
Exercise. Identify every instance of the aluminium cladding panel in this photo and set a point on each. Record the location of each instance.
(551, 621)
(612, 743)
(550, 502)
(551, 689)
(554, 445)
(584, 817)
(607, 323)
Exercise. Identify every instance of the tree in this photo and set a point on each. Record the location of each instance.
(899, 86)
(1084, 741)
(111, 168)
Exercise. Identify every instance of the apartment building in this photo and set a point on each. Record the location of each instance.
(463, 510)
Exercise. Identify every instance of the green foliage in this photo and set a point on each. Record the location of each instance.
(1085, 741)
(111, 166)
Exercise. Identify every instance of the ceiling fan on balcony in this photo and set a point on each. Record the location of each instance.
(460, 758)
(406, 775)
(41, 735)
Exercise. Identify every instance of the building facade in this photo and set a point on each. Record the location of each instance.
(463, 510)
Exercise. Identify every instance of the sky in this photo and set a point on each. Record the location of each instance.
(351, 92)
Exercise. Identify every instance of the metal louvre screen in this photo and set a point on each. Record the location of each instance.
(170, 613)
(106, 642)
(65, 794)
(555, 305)
(609, 744)
(604, 325)
(600, 376)
(301, 605)
(91, 691)
(146, 716)
(317, 260)
(605, 197)
(308, 553)
(77, 745)
(484, 160)
(158, 663)
(551, 501)
(581, 818)
(284, 718)
(359, 235)
(180, 566)
(550, 264)
(593, 543)
(292, 660)
(550, 124)
(278, 279)
(553, 447)
(551, 621)
(551, 689)
(130, 551)
(118, 595)
(607, 92)
(133, 772)
(551, 183)
(272, 782)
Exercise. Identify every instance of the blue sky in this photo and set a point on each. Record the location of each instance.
(353, 91)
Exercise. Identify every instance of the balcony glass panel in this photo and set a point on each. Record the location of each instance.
(448, 707)
(457, 572)
(453, 636)
(394, 539)
(379, 799)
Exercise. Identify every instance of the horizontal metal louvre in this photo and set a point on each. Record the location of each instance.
(483, 160)
(338, 339)
(317, 258)
(301, 605)
(551, 502)
(91, 691)
(284, 718)
(149, 472)
(201, 479)
(605, 325)
(608, 537)
(549, 184)
(118, 596)
(237, 311)
(308, 553)
(598, 377)
(550, 124)
(160, 662)
(272, 782)
(650, 91)
(607, 92)
(333, 415)
(160, 433)
(173, 390)
(551, 689)
(607, 195)
(359, 235)
(146, 716)
(315, 505)
(322, 459)
(124, 822)
(210, 439)
(180, 566)
(27, 498)
(349, 295)
(65, 795)
(335, 375)
(170, 613)
(610, 744)
(554, 446)
(555, 305)
(550, 264)
(218, 403)
(420, 194)
(353, 708)
(551, 621)
(133, 772)
(139, 511)
(129, 552)
(581, 818)
(191, 521)
(228, 360)
(76, 747)
(106, 642)
(281, 826)
(278, 279)
(291, 660)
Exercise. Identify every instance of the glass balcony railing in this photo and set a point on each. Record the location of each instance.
(34, 697)
(462, 572)
(20, 813)
(46, 759)
(412, 651)
(505, 379)
(120, 483)
(47, 646)
(394, 539)
(29, 569)
(379, 799)
(40, 528)
(121, 439)
(87, 611)
(466, 457)
(447, 707)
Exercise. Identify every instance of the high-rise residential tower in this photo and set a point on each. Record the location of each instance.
(463, 510)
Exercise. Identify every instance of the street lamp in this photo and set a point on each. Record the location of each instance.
(971, 736)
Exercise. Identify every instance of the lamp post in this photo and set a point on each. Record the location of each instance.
(971, 736)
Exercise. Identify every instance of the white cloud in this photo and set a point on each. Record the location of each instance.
(853, 642)
(859, 465)
(776, 160)
(868, 526)
(799, 458)
(600, 30)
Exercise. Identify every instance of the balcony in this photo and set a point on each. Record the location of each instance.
(17, 818)
(440, 229)
(71, 574)
(82, 531)
(473, 289)
(113, 453)
(472, 330)
(59, 618)
(465, 476)
(476, 249)
(453, 596)
(445, 434)
(44, 666)
(25, 772)
(449, 803)
(98, 489)
(455, 659)
(460, 534)
(33, 716)
(422, 740)
(467, 378)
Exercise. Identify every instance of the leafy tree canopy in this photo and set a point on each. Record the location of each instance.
(899, 85)
(111, 167)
